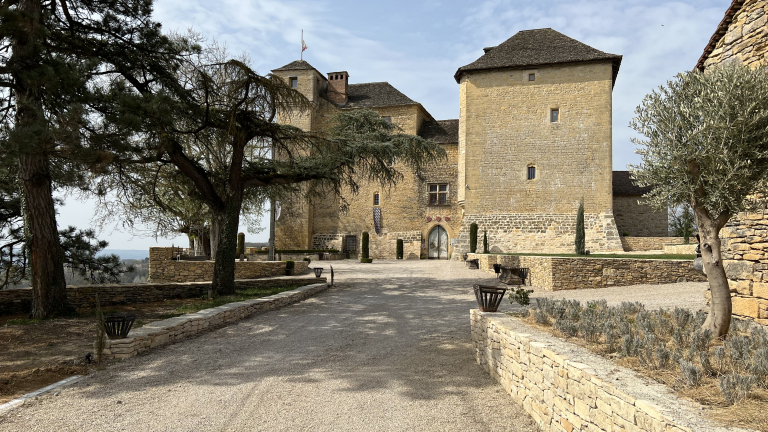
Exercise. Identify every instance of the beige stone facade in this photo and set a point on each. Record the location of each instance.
(638, 220)
(552, 114)
(742, 36)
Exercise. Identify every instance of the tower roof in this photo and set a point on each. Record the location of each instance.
(376, 94)
(538, 48)
(441, 131)
(298, 65)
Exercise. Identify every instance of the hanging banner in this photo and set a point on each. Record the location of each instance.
(377, 219)
(278, 207)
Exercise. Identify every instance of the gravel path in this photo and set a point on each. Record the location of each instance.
(668, 296)
(387, 349)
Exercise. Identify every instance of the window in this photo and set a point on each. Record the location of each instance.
(376, 199)
(438, 194)
(531, 172)
(294, 82)
(531, 77)
(387, 119)
(350, 243)
(554, 116)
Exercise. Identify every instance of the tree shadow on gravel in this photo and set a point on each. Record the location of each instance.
(375, 330)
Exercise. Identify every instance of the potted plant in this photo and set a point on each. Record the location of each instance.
(289, 265)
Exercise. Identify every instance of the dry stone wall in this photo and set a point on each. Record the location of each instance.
(19, 301)
(649, 243)
(638, 220)
(566, 388)
(556, 273)
(747, 38)
(162, 268)
(172, 330)
(745, 258)
(542, 233)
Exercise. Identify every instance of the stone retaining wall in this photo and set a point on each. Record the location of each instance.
(567, 388)
(163, 268)
(745, 258)
(19, 301)
(327, 256)
(681, 249)
(556, 273)
(648, 243)
(172, 330)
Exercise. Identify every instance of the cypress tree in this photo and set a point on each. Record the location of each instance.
(240, 244)
(365, 245)
(580, 235)
(485, 242)
(399, 248)
(473, 238)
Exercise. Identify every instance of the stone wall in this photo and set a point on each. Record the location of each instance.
(747, 38)
(173, 330)
(556, 273)
(162, 268)
(566, 388)
(19, 301)
(682, 249)
(542, 233)
(296, 257)
(385, 246)
(649, 243)
(745, 258)
(638, 220)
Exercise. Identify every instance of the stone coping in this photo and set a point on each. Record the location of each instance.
(174, 329)
(567, 387)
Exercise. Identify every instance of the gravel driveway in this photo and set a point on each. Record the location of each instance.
(387, 349)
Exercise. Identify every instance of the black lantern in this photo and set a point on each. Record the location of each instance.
(318, 271)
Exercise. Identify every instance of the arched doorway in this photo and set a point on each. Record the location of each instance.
(438, 243)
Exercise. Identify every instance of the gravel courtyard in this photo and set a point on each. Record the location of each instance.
(386, 349)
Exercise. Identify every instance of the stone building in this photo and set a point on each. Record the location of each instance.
(532, 139)
(742, 36)
(634, 219)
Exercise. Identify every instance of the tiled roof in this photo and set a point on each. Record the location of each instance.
(722, 29)
(296, 65)
(624, 185)
(537, 48)
(378, 94)
(441, 131)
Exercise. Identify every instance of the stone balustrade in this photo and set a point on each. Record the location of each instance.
(567, 388)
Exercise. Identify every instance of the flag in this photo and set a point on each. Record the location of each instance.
(303, 45)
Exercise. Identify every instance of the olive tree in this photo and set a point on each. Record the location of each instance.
(706, 144)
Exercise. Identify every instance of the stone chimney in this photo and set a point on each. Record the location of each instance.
(337, 87)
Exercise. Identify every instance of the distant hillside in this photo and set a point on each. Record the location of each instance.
(136, 254)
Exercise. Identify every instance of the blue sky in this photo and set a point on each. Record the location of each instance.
(418, 45)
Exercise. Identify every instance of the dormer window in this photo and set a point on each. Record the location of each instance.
(294, 82)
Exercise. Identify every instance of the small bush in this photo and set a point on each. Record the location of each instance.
(473, 238)
(521, 296)
(691, 373)
(567, 327)
(308, 260)
(366, 260)
(735, 387)
(289, 265)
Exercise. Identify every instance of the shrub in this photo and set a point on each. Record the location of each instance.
(580, 241)
(567, 327)
(240, 244)
(308, 260)
(473, 238)
(399, 248)
(289, 265)
(691, 373)
(735, 387)
(485, 242)
(521, 296)
(365, 245)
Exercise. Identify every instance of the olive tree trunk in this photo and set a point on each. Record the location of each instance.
(719, 319)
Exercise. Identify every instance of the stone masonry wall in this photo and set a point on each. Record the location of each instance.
(542, 233)
(159, 333)
(162, 268)
(566, 388)
(639, 220)
(747, 38)
(555, 273)
(19, 301)
(385, 245)
(745, 258)
(649, 243)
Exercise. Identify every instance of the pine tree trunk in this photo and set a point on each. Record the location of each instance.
(49, 286)
(224, 227)
(49, 295)
(719, 319)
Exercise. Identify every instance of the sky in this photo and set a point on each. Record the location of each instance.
(417, 46)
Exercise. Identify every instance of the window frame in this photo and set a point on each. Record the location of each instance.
(376, 199)
(530, 172)
(554, 112)
(293, 82)
(531, 77)
(438, 194)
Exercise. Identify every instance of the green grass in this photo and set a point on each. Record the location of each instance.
(23, 321)
(239, 295)
(622, 256)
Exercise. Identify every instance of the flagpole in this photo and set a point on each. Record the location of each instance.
(302, 44)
